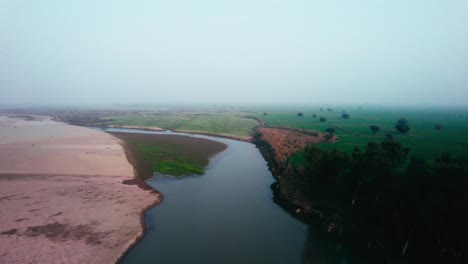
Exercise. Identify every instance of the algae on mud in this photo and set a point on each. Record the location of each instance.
(168, 154)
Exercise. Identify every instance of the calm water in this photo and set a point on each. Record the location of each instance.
(224, 216)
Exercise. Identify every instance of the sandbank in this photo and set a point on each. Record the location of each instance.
(61, 194)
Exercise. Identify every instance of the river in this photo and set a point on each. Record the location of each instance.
(226, 215)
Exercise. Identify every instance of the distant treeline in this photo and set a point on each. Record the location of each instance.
(404, 208)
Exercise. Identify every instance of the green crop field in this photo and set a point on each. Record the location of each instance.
(423, 139)
(216, 123)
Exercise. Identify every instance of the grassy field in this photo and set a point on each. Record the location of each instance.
(423, 139)
(216, 123)
(168, 154)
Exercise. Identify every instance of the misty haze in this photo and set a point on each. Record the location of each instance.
(233, 131)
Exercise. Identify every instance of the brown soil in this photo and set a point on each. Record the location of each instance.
(284, 142)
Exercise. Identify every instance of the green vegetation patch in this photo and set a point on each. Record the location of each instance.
(169, 160)
(168, 154)
(298, 161)
(233, 124)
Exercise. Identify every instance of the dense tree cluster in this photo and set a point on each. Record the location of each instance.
(402, 125)
(413, 209)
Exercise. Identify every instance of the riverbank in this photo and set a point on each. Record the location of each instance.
(64, 190)
(277, 145)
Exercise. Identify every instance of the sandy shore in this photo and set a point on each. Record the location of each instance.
(61, 194)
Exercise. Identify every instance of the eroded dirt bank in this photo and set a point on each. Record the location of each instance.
(277, 145)
(61, 194)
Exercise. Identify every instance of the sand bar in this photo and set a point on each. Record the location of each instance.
(61, 194)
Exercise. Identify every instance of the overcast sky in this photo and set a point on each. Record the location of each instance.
(241, 51)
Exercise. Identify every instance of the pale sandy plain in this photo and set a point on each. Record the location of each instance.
(61, 194)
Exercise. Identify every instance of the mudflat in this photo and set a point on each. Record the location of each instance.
(62, 199)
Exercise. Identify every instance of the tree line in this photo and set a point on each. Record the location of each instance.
(384, 200)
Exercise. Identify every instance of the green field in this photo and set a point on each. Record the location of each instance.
(423, 139)
(216, 123)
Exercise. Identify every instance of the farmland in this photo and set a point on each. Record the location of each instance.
(228, 123)
(423, 139)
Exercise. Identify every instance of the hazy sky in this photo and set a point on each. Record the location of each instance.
(108, 51)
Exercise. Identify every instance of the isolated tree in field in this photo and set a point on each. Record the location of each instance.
(323, 119)
(300, 114)
(314, 116)
(264, 113)
(329, 110)
(331, 130)
(438, 127)
(345, 116)
(402, 125)
(374, 129)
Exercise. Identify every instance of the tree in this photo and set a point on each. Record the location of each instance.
(345, 116)
(300, 114)
(323, 119)
(314, 116)
(402, 125)
(374, 129)
(264, 113)
(402, 128)
(331, 130)
(329, 110)
(438, 127)
(324, 166)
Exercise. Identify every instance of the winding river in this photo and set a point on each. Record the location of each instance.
(226, 215)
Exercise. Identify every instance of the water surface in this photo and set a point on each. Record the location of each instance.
(224, 216)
